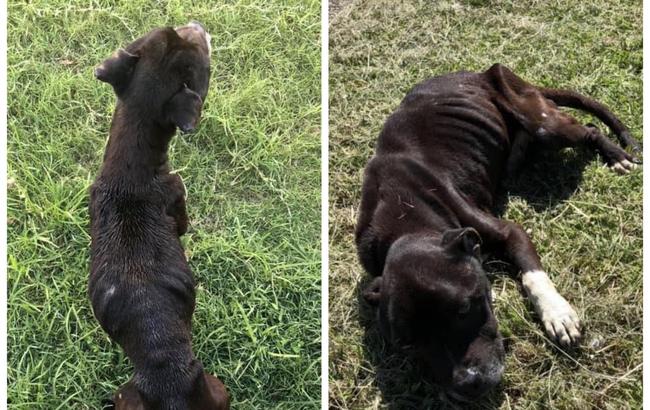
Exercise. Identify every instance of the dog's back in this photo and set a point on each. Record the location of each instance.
(447, 132)
(140, 286)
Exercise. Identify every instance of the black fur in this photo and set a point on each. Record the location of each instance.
(426, 212)
(141, 287)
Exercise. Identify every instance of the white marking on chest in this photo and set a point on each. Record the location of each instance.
(110, 292)
(544, 115)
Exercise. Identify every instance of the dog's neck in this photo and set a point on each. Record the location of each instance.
(137, 147)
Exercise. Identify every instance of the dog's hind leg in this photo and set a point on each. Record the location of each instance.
(536, 110)
(572, 99)
(562, 130)
(614, 156)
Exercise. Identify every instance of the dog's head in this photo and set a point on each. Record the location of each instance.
(164, 74)
(434, 302)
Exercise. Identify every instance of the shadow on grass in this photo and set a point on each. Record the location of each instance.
(547, 179)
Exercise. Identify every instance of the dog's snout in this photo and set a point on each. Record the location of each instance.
(187, 128)
(197, 25)
(470, 383)
(195, 32)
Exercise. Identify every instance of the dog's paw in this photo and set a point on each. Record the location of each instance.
(559, 319)
(623, 166)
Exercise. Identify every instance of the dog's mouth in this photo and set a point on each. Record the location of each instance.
(474, 390)
(470, 383)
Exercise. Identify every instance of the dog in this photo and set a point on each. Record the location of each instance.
(140, 285)
(426, 215)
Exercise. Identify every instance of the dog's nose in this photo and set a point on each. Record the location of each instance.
(471, 382)
(187, 128)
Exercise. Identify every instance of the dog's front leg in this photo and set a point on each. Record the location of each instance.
(176, 202)
(558, 317)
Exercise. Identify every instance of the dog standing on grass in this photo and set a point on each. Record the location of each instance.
(141, 287)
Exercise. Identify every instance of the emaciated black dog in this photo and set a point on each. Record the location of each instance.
(141, 287)
(426, 211)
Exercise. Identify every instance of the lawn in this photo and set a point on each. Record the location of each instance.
(585, 220)
(252, 173)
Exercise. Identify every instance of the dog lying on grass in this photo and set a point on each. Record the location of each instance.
(426, 212)
(141, 287)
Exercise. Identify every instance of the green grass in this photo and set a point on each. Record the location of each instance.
(585, 221)
(252, 173)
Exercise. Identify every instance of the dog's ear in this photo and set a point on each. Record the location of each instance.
(117, 69)
(462, 240)
(372, 293)
(184, 109)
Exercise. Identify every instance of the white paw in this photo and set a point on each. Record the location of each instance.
(559, 319)
(623, 167)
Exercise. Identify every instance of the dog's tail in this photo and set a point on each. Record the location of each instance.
(578, 101)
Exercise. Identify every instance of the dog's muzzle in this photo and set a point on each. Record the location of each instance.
(196, 33)
(470, 383)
